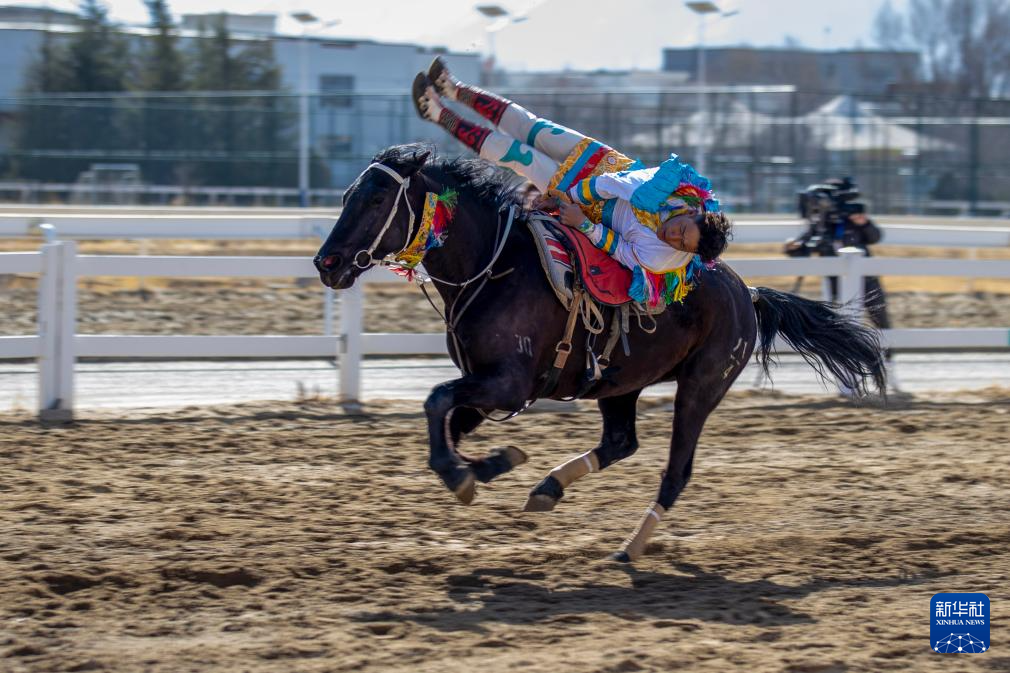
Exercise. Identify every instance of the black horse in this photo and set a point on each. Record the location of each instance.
(511, 323)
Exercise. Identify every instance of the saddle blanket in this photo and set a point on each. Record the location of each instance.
(605, 279)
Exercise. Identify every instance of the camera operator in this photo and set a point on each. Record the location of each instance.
(836, 219)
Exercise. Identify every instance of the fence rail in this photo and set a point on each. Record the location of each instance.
(134, 224)
(57, 346)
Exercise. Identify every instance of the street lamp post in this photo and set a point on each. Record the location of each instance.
(304, 18)
(500, 18)
(702, 9)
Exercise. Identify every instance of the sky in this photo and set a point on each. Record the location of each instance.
(556, 34)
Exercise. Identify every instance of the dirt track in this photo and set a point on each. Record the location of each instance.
(299, 538)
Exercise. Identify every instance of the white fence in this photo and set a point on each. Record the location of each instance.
(57, 346)
(206, 224)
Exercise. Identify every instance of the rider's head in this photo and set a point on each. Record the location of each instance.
(705, 233)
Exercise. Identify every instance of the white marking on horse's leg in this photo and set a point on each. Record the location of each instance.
(576, 468)
(635, 545)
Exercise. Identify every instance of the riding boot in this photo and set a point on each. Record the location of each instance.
(488, 105)
(430, 108)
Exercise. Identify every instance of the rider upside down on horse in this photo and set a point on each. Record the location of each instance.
(505, 324)
(658, 222)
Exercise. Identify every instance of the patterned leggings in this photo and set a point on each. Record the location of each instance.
(532, 147)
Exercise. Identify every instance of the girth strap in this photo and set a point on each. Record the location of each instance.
(564, 347)
(616, 330)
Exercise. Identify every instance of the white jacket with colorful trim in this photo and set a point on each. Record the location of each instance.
(635, 203)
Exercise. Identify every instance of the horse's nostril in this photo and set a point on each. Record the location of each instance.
(326, 263)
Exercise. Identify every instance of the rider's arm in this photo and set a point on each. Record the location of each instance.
(610, 242)
(599, 188)
(602, 236)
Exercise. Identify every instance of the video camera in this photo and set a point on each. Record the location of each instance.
(826, 207)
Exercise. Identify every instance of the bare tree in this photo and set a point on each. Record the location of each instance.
(962, 43)
(889, 27)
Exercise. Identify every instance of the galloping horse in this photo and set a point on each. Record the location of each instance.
(504, 323)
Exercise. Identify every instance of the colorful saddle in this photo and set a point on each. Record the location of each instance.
(564, 252)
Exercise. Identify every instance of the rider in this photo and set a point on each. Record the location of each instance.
(659, 222)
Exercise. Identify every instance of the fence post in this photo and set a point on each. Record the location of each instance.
(57, 325)
(67, 353)
(47, 325)
(351, 311)
(851, 282)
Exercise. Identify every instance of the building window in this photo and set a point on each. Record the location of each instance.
(337, 146)
(335, 90)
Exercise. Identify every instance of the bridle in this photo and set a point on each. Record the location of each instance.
(404, 183)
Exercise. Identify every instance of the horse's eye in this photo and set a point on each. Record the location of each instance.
(377, 200)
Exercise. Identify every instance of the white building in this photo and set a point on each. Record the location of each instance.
(360, 88)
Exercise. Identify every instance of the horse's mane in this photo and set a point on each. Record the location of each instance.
(492, 187)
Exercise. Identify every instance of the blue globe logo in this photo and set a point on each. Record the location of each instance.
(959, 642)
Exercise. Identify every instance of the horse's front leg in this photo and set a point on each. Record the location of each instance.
(474, 391)
(463, 421)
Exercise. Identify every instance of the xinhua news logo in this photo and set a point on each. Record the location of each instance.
(959, 623)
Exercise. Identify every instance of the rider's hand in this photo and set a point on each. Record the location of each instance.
(546, 202)
(570, 215)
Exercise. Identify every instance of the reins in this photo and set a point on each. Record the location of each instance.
(486, 271)
(451, 318)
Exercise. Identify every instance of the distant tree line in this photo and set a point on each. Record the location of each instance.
(965, 73)
(102, 94)
(963, 44)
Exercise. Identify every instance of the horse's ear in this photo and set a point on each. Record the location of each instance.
(420, 159)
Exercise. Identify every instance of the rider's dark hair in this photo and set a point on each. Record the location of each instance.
(716, 232)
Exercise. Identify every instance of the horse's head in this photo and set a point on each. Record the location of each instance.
(381, 210)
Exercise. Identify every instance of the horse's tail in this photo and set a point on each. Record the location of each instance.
(827, 339)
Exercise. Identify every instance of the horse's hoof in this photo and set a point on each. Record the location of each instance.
(545, 496)
(514, 455)
(620, 557)
(539, 503)
(467, 490)
(461, 481)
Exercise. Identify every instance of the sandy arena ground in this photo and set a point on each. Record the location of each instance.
(288, 537)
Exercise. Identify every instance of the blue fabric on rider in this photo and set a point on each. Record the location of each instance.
(607, 217)
(637, 289)
(663, 182)
(586, 226)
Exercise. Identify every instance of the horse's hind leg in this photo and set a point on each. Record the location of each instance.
(698, 394)
(618, 441)
(469, 393)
